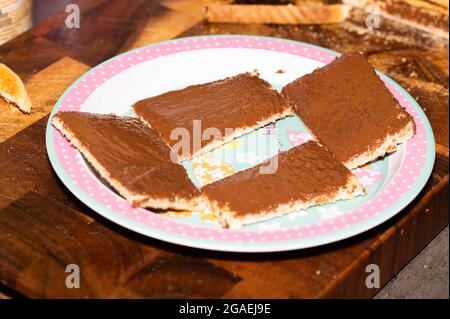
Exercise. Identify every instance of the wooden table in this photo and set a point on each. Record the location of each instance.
(43, 227)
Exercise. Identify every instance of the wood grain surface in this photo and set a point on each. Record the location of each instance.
(43, 227)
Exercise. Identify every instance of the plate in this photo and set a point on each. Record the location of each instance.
(113, 86)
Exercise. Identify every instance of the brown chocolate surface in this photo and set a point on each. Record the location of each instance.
(304, 172)
(236, 102)
(347, 106)
(131, 153)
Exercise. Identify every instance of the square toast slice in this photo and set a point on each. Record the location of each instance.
(307, 175)
(131, 158)
(349, 109)
(222, 110)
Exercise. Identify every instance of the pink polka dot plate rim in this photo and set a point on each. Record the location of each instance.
(181, 62)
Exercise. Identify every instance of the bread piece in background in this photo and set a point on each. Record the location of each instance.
(293, 13)
(12, 89)
(430, 16)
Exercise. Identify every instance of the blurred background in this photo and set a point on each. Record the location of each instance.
(17, 16)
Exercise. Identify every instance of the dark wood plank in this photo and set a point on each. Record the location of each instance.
(178, 276)
(104, 28)
(24, 163)
(29, 54)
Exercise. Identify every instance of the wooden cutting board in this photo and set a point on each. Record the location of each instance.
(43, 227)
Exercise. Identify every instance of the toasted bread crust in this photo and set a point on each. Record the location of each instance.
(277, 14)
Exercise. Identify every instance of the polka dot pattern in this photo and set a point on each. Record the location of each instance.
(74, 166)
